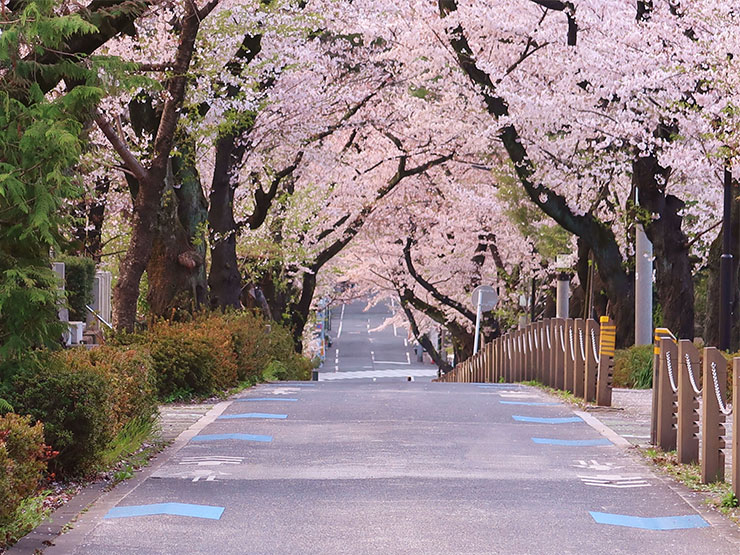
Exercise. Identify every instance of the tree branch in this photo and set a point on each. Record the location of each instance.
(129, 159)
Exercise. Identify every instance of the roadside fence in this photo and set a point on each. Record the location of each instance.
(574, 355)
(691, 408)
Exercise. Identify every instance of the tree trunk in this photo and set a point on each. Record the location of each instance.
(224, 279)
(89, 233)
(424, 340)
(675, 285)
(711, 318)
(126, 292)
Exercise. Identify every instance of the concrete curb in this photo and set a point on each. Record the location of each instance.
(603, 429)
(49, 537)
(694, 499)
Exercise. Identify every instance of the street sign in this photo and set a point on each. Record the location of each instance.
(488, 297)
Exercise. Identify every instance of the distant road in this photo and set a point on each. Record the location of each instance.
(359, 352)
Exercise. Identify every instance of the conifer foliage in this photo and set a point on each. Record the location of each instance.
(41, 138)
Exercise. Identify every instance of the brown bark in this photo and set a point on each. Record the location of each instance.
(674, 272)
(151, 180)
(711, 318)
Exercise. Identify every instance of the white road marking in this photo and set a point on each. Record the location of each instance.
(394, 330)
(210, 478)
(615, 481)
(405, 342)
(408, 358)
(390, 373)
(341, 321)
(212, 461)
(593, 464)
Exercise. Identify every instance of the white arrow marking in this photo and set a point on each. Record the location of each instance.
(595, 465)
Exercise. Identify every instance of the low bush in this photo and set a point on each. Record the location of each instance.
(633, 367)
(74, 405)
(184, 362)
(23, 457)
(84, 398)
(130, 377)
(79, 275)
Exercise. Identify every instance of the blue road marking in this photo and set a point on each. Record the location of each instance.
(253, 415)
(528, 404)
(242, 437)
(571, 442)
(657, 523)
(265, 399)
(534, 419)
(178, 509)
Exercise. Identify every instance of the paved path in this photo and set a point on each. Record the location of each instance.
(365, 349)
(397, 468)
(373, 463)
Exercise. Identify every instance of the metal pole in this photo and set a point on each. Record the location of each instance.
(534, 292)
(725, 268)
(563, 291)
(643, 284)
(643, 288)
(477, 326)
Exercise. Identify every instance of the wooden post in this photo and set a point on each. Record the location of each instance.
(569, 357)
(520, 355)
(712, 431)
(659, 333)
(667, 385)
(687, 432)
(736, 427)
(558, 342)
(545, 372)
(529, 366)
(579, 340)
(553, 352)
(607, 341)
(592, 358)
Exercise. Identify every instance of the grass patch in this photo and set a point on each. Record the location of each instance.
(31, 512)
(128, 440)
(566, 396)
(719, 494)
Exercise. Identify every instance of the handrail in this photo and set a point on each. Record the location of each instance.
(98, 316)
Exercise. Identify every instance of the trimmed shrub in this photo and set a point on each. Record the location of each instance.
(251, 344)
(184, 362)
(74, 405)
(633, 367)
(23, 457)
(84, 398)
(79, 275)
(129, 375)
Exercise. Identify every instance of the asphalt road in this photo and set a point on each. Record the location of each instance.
(363, 348)
(391, 466)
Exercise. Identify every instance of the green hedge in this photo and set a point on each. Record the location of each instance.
(87, 398)
(633, 367)
(79, 275)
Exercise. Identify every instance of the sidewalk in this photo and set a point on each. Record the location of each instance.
(171, 422)
(629, 415)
